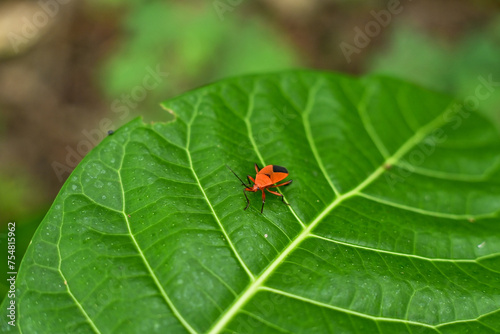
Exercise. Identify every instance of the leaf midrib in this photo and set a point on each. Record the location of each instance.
(391, 160)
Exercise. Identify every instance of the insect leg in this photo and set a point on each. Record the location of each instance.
(248, 201)
(263, 201)
(278, 194)
(283, 184)
(249, 178)
(257, 168)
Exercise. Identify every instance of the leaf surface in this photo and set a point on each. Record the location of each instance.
(392, 225)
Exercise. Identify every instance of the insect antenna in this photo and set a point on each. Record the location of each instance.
(242, 183)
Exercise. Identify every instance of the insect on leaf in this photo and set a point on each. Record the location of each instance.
(392, 226)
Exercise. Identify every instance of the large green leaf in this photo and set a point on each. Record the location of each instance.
(392, 228)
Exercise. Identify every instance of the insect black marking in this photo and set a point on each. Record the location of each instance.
(279, 169)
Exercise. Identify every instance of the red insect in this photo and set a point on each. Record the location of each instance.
(266, 178)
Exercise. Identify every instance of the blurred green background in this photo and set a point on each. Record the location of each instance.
(70, 72)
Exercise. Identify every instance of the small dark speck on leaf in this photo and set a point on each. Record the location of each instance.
(110, 132)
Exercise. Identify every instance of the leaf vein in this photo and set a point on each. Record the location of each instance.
(393, 253)
(256, 149)
(426, 212)
(59, 268)
(365, 120)
(307, 129)
(143, 256)
(348, 311)
(226, 235)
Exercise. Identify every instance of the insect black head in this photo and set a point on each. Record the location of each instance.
(279, 169)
